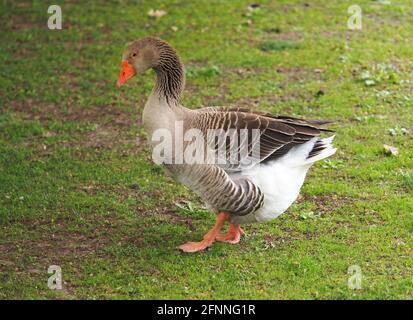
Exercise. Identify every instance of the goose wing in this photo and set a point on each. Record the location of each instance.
(250, 137)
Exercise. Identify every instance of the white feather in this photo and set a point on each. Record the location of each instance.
(281, 180)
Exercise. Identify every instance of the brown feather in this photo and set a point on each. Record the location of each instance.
(278, 134)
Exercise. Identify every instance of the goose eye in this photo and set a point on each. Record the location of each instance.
(134, 55)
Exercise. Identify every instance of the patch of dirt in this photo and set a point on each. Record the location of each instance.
(49, 242)
(294, 74)
(288, 36)
(291, 236)
(327, 202)
(105, 126)
(254, 103)
(168, 213)
(35, 110)
(291, 75)
(58, 241)
(174, 218)
(378, 19)
(245, 71)
(22, 21)
(324, 205)
(109, 136)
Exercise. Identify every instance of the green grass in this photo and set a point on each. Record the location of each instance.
(277, 45)
(78, 188)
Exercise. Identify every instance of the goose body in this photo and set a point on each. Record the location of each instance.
(259, 190)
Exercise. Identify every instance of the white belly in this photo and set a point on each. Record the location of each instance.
(280, 180)
(280, 185)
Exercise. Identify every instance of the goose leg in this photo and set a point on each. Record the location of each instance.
(233, 235)
(209, 238)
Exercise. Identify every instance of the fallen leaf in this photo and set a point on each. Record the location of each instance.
(156, 13)
(390, 150)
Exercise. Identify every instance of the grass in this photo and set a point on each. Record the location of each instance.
(277, 45)
(78, 188)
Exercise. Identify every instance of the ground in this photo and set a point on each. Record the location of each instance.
(78, 188)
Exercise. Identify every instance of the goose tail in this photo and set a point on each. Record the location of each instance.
(323, 148)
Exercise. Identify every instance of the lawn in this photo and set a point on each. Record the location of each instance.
(78, 188)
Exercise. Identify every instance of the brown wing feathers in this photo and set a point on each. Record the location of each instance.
(277, 134)
(273, 134)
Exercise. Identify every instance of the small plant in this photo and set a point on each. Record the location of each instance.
(407, 179)
(333, 164)
(364, 118)
(383, 94)
(397, 131)
(306, 215)
(278, 45)
(382, 72)
(90, 127)
(203, 72)
(367, 78)
(185, 206)
(268, 86)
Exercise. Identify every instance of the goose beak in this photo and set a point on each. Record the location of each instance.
(127, 71)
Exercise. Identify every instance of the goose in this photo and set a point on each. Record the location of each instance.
(241, 192)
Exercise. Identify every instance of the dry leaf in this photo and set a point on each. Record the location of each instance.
(156, 13)
(390, 150)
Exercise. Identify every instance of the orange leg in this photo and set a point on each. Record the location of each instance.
(209, 238)
(233, 235)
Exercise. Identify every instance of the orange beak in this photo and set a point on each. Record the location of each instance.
(126, 72)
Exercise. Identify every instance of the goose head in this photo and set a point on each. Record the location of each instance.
(139, 56)
(157, 54)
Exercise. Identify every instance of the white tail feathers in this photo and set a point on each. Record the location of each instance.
(327, 150)
(309, 152)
